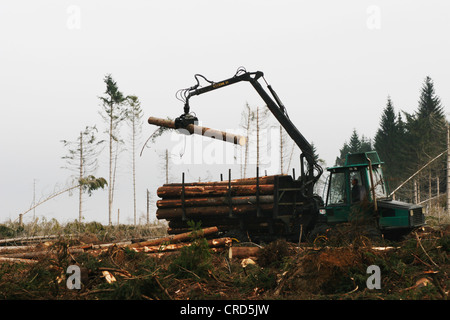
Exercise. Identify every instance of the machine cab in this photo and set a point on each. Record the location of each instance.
(359, 180)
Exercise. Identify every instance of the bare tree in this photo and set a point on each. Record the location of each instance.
(82, 158)
(256, 123)
(286, 150)
(248, 116)
(262, 124)
(134, 117)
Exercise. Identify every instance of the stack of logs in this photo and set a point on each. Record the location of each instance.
(214, 203)
(31, 253)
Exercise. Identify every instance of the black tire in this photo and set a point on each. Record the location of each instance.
(318, 230)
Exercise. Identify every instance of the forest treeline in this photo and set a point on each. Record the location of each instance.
(409, 142)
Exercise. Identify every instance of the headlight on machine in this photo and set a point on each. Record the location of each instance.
(322, 211)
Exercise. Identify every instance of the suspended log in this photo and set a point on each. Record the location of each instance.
(213, 201)
(170, 213)
(191, 191)
(204, 131)
(174, 239)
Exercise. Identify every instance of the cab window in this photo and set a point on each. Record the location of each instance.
(358, 191)
(380, 190)
(337, 193)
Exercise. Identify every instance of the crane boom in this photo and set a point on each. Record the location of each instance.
(275, 106)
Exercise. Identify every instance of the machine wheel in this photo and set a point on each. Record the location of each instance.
(319, 230)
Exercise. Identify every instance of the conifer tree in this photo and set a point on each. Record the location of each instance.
(356, 144)
(387, 143)
(426, 129)
(113, 114)
(134, 117)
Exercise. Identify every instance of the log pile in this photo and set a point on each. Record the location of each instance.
(33, 253)
(219, 203)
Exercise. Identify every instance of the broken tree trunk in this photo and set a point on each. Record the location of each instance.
(214, 243)
(187, 236)
(204, 131)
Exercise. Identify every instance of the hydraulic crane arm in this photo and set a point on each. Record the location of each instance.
(274, 104)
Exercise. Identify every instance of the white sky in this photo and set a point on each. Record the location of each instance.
(333, 64)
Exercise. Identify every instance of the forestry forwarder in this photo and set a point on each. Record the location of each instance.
(297, 212)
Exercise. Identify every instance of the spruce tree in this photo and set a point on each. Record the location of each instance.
(387, 143)
(426, 129)
(356, 144)
(429, 103)
(425, 138)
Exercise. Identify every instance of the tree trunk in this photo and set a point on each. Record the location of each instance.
(214, 243)
(167, 166)
(242, 252)
(247, 136)
(257, 137)
(281, 149)
(206, 191)
(171, 213)
(212, 201)
(247, 181)
(176, 238)
(81, 177)
(110, 166)
(134, 168)
(448, 169)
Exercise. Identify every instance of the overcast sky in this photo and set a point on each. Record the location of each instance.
(333, 64)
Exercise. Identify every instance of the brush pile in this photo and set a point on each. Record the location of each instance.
(199, 265)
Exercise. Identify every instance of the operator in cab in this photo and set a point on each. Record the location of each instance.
(357, 191)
